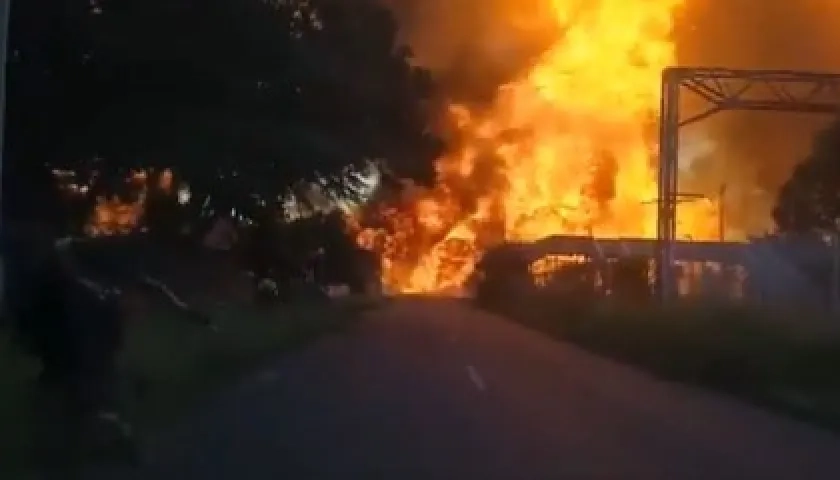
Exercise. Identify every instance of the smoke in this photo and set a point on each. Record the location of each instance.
(756, 152)
(473, 46)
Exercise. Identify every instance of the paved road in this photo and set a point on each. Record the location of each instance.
(436, 390)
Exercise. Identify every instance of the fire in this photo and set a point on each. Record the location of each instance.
(116, 216)
(568, 147)
(113, 216)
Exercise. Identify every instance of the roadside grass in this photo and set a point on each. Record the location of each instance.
(787, 361)
(170, 365)
(16, 434)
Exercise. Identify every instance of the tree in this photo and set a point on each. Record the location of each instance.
(810, 199)
(244, 100)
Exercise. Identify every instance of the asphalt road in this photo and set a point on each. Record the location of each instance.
(437, 390)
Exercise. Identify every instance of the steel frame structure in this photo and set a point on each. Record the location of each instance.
(723, 90)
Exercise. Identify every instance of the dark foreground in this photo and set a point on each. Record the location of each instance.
(433, 389)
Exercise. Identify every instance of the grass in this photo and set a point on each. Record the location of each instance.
(782, 361)
(169, 365)
(15, 394)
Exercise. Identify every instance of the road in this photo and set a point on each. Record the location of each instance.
(433, 389)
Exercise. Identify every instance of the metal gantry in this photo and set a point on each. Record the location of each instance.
(723, 89)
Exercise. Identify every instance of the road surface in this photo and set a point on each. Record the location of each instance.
(433, 389)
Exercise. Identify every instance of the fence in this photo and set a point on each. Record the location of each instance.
(793, 272)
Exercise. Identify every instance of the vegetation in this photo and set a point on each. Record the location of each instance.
(246, 101)
(249, 103)
(781, 361)
(169, 365)
(808, 201)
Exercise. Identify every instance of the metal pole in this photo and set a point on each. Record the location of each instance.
(661, 213)
(5, 8)
(668, 153)
(722, 213)
(835, 272)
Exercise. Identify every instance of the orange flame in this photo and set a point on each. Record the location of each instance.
(117, 216)
(568, 147)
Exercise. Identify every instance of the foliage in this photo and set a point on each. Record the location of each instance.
(243, 99)
(629, 280)
(809, 200)
(319, 241)
(501, 274)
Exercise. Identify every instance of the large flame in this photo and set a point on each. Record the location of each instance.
(568, 147)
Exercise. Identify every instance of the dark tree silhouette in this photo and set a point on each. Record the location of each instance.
(810, 200)
(243, 99)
